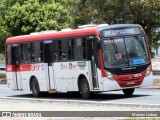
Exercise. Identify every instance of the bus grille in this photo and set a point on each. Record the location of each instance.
(132, 71)
(130, 83)
(126, 82)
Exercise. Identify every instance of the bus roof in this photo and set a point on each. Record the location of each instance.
(56, 35)
(65, 34)
(119, 26)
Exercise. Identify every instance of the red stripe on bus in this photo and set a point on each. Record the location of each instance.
(23, 67)
(10, 68)
(101, 64)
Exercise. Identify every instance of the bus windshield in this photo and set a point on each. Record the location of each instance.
(126, 51)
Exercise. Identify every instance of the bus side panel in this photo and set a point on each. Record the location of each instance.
(11, 80)
(108, 85)
(100, 81)
(63, 77)
(67, 73)
(51, 77)
(11, 77)
(36, 70)
(44, 82)
(85, 70)
(88, 73)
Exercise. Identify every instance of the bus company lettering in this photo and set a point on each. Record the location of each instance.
(81, 64)
(42, 67)
(63, 66)
(34, 67)
(72, 67)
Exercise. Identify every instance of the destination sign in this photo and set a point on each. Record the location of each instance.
(47, 42)
(121, 31)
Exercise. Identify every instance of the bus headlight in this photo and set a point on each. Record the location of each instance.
(109, 75)
(148, 71)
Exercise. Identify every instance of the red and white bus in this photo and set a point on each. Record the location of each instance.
(92, 60)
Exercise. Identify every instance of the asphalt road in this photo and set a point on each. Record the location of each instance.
(141, 96)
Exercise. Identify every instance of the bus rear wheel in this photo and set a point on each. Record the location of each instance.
(128, 92)
(35, 87)
(84, 89)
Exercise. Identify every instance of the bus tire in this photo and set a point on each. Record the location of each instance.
(35, 88)
(84, 89)
(128, 92)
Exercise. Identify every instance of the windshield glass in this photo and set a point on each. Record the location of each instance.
(124, 51)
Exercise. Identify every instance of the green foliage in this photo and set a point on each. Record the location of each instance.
(143, 12)
(3, 35)
(18, 17)
(4, 31)
(33, 16)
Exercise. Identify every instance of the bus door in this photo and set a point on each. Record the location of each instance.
(92, 56)
(16, 66)
(48, 58)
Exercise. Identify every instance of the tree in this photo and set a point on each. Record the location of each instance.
(4, 31)
(143, 12)
(18, 17)
(35, 15)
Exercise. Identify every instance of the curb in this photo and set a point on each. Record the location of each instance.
(84, 102)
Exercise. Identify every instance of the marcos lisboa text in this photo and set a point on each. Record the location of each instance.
(147, 114)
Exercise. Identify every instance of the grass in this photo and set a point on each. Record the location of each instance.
(35, 101)
(156, 82)
(2, 78)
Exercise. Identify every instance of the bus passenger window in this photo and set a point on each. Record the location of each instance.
(60, 49)
(74, 49)
(84, 48)
(25, 54)
(32, 52)
(64, 54)
(55, 49)
(79, 48)
(70, 49)
(8, 60)
(37, 53)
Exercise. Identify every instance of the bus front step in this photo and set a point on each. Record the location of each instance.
(52, 91)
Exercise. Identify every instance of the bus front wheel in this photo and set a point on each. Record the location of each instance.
(35, 87)
(84, 89)
(128, 92)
